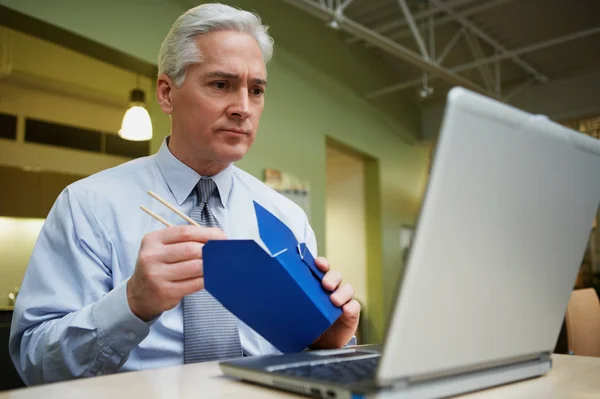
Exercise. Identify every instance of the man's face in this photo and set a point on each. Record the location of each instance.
(217, 109)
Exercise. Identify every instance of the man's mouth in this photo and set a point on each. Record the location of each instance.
(234, 130)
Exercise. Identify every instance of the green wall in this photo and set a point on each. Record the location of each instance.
(315, 86)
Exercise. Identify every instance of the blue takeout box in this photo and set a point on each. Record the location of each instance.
(278, 294)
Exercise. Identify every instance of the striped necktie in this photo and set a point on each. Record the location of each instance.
(210, 332)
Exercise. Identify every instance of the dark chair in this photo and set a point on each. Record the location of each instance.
(9, 378)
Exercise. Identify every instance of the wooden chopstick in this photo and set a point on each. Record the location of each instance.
(171, 207)
(155, 216)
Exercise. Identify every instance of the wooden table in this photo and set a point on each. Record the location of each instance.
(572, 377)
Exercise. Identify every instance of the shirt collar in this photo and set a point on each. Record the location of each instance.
(182, 179)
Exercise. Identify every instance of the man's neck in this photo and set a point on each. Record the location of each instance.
(204, 167)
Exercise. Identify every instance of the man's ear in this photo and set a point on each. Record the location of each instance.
(164, 93)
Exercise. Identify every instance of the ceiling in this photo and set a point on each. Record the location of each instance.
(497, 47)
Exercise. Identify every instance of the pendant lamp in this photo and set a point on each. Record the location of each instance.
(136, 125)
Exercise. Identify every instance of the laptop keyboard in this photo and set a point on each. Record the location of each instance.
(344, 372)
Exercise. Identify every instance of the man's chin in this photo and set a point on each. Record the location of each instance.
(227, 157)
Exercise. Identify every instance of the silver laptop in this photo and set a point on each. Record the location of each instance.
(502, 232)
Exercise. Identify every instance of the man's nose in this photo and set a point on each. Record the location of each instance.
(240, 106)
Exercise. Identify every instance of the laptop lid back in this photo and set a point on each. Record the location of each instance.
(501, 235)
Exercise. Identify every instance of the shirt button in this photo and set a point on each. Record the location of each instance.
(131, 336)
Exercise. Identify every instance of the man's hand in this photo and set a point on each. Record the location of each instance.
(344, 328)
(169, 267)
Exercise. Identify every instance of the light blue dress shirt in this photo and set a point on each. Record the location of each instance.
(72, 318)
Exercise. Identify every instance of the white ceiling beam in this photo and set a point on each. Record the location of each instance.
(343, 6)
(431, 34)
(413, 28)
(394, 88)
(418, 17)
(446, 50)
(447, 18)
(387, 45)
(494, 58)
(478, 53)
(494, 43)
(517, 90)
(528, 49)
(498, 78)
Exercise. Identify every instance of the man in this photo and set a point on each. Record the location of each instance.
(107, 288)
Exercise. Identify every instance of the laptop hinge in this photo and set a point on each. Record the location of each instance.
(472, 379)
(399, 385)
(544, 357)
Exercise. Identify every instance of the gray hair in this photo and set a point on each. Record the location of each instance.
(178, 51)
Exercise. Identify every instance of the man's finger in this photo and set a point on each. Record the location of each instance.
(331, 280)
(322, 263)
(351, 310)
(186, 287)
(180, 251)
(342, 295)
(185, 270)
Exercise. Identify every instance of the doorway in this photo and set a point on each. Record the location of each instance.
(353, 230)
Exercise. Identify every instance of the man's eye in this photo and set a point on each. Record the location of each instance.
(257, 91)
(220, 85)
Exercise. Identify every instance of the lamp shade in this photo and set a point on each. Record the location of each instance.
(136, 125)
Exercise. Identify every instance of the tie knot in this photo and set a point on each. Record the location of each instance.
(206, 189)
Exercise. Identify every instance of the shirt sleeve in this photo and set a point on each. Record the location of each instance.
(69, 320)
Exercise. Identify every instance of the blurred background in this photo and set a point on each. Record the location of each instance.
(355, 99)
